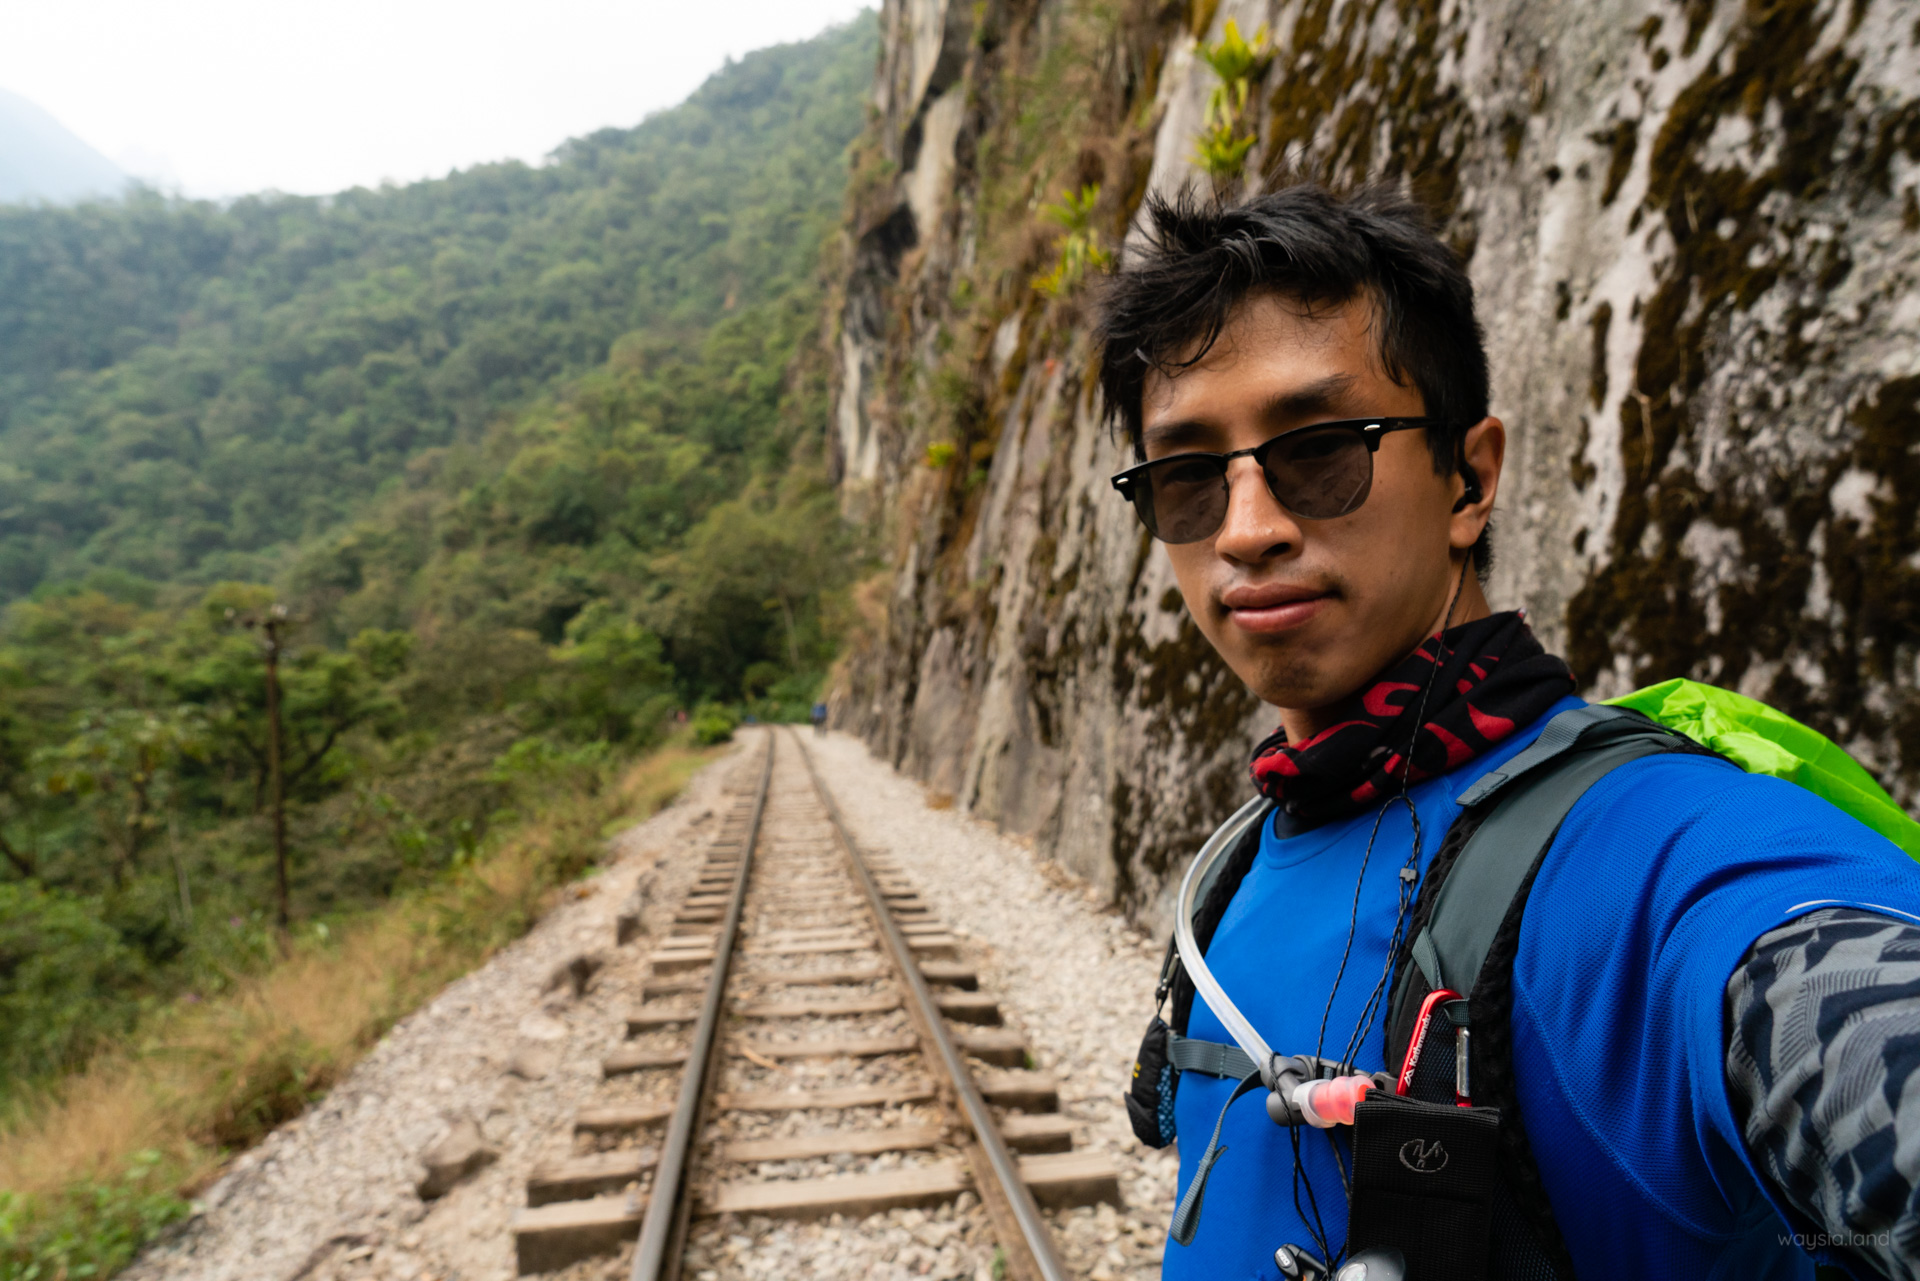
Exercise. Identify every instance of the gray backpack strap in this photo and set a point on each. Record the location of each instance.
(1536, 790)
(1190, 1054)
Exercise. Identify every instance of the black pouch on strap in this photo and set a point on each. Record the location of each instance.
(1424, 1177)
(1150, 1094)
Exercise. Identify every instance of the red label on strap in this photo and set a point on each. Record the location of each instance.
(1435, 999)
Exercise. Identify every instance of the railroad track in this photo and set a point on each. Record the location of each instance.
(832, 1054)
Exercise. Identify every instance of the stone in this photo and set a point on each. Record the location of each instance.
(576, 974)
(461, 1152)
(533, 1060)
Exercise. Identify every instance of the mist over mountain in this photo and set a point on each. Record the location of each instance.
(43, 160)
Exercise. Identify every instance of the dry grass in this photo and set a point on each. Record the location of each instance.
(205, 1080)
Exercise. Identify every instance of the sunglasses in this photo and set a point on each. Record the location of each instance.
(1316, 472)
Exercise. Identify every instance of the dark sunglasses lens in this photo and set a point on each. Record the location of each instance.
(1320, 474)
(1186, 499)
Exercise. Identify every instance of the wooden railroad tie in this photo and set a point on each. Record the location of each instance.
(547, 1238)
(830, 1100)
(835, 1047)
(879, 1004)
(913, 1187)
(800, 1147)
(615, 1119)
(648, 1018)
(951, 973)
(968, 1007)
(1025, 1090)
(580, 1177)
(1002, 1047)
(823, 978)
(632, 1058)
(1057, 1181)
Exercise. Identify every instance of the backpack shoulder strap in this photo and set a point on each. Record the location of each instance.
(1232, 848)
(1508, 822)
(1530, 796)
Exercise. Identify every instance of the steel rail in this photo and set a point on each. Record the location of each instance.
(1035, 1240)
(652, 1254)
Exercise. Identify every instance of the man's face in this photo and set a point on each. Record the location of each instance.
(1307, 611)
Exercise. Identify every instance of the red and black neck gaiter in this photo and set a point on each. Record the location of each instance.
(1494, 678)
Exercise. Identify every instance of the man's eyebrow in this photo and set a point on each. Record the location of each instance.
(1314, 398)
(1184, 431)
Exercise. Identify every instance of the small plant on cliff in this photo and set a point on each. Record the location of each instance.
(940, 453)
(1080, 248)
(1221, 149)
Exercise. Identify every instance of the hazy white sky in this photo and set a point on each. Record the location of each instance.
(222, 97)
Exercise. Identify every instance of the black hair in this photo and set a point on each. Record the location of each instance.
(1165, 310)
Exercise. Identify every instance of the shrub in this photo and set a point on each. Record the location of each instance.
(66, 979)
(92, 1228)
(713, 723)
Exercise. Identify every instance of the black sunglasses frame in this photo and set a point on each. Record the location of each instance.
(1138, 480)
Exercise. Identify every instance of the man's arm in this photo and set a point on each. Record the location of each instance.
(1823, 1072)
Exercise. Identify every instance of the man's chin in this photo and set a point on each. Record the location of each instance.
(1297, 685)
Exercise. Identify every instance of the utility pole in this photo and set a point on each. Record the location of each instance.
(272, 624)
(270, 627)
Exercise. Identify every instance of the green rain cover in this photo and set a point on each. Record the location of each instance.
(1763, 741)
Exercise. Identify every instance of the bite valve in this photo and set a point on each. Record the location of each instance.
(1325, 1104)
(1296, 1264)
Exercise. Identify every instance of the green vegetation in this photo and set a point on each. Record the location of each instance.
(1221, 149)
(1080, 249)
(508, 472)
(89, 1174)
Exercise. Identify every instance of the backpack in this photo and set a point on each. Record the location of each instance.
(1448, 1035)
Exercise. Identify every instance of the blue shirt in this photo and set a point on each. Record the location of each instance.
(1660, 878)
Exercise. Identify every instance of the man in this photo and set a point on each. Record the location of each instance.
(1715, 1013)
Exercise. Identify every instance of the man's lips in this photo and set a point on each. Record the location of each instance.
(1272, 607)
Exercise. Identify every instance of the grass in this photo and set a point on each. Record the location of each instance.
(98, 1165)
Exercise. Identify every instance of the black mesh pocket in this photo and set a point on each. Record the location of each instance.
(1149, 1095)
(1424, 1177)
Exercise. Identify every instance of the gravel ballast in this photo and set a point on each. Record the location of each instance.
(334, 1195)
(1076, 976)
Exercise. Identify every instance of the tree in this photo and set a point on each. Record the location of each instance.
(611, 682)
(118, 763)
(747, 587)
(278, 712)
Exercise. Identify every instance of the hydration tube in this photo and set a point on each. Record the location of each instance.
(1199, 879)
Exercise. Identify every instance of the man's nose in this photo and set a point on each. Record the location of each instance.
(1257, 527)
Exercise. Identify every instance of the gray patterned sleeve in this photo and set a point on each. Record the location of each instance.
(1823, 1070)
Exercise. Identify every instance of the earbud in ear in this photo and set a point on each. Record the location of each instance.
(1472, 494)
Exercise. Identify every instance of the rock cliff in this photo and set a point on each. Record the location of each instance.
(1695, 234)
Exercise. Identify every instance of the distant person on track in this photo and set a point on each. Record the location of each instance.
(819, 718)
(1692, 1048)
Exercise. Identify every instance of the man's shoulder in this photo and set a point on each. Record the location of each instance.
(1677, 834)
(1696, 798)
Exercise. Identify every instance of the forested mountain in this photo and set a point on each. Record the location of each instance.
(509, 465)
(186, 389)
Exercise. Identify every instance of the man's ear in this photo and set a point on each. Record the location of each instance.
(1483, 450)
(1471, 493)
